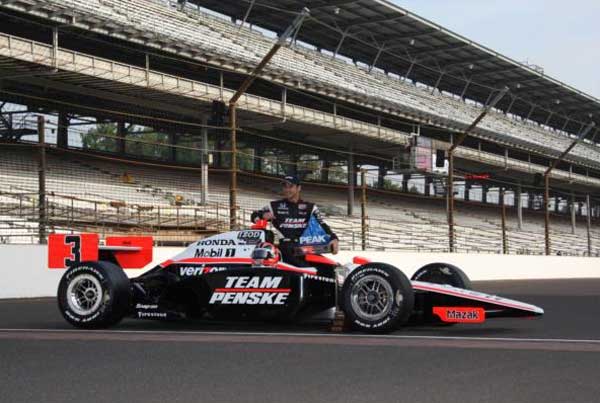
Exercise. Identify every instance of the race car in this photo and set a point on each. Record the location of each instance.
(240, 275)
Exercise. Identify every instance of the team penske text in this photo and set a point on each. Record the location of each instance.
(250, 290)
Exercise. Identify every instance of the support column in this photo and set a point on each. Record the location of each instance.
(484, 190)
(428, 182)
(405, 179)
(589, 225)
(172, 148)
(325, 170)
(259, 150)
(351, 183)
(220, 144)
(293, 166)
(467, 195)
(530, 199)
(363, 209)
(62, 132)
(233, 170)
(556, 203)
(519, 205)
(121, 134)
(573, 209)
(503, 221)
(381, 176)
(42, 219)
(204, 161)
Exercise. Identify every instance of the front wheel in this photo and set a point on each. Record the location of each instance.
(94, 295)
(377, 297)
(439, 273)
(443, 273)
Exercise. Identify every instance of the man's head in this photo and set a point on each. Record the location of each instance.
(291, 188)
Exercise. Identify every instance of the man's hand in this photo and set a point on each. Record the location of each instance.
(267, 216)
(335, 246)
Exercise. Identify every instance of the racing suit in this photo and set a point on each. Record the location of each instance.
(291, 220)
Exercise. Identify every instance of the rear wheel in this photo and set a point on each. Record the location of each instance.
(94, 295)
(377, 297)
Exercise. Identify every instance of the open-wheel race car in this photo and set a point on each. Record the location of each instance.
(240, 275)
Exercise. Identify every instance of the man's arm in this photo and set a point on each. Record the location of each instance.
(323, 224)
(335, 245)
(264, 213)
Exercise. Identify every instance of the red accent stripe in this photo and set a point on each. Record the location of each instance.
(360, 260)
(215, 260)
(320, 259)
(304, 270)
(489, 300)
(278, 290)
(241, 260)
(224, 260)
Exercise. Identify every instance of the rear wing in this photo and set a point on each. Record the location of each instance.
(128, 252)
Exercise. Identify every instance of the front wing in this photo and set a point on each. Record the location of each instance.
(458, 305)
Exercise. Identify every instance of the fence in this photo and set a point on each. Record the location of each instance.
(147, 183)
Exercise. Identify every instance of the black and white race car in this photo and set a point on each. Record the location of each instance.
(240, 275)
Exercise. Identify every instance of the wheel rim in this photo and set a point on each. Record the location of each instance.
(372, 297)
(84, 294)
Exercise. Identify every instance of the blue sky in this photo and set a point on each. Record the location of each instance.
(562, 37)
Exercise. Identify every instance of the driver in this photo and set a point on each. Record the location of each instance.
(291, 216)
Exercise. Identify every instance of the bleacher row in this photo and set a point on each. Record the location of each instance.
(167, 22)
(96, 195)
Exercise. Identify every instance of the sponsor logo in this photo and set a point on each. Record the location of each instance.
(302, 206)
(282, 206)
(188, 271)
(250, 237)
(146, 306)
(214, 269)
(249, 234)
(142, 315)
(217, 252)
(319, 278)
(294, 223)
(460, 314)
(216, 242)
(251, 290)
(313, 239)
(453, 314)
(149, 311)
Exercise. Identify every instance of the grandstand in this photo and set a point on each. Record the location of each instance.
(167, 203)
(350, 92)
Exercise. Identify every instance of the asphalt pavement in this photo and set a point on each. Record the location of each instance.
(555, 358)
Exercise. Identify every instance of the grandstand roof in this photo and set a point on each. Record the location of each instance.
(379, 33)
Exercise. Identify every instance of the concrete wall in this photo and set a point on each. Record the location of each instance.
(490, 267)
(23, 273)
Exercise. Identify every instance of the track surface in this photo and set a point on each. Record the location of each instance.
(552, 359)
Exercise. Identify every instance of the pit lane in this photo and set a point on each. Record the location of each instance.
(554, 358)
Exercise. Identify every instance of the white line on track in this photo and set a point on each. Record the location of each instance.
(384, 336)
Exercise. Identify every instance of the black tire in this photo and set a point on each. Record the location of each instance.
(396, 310)
(104, 295)
(443, 273)
(439, 273)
